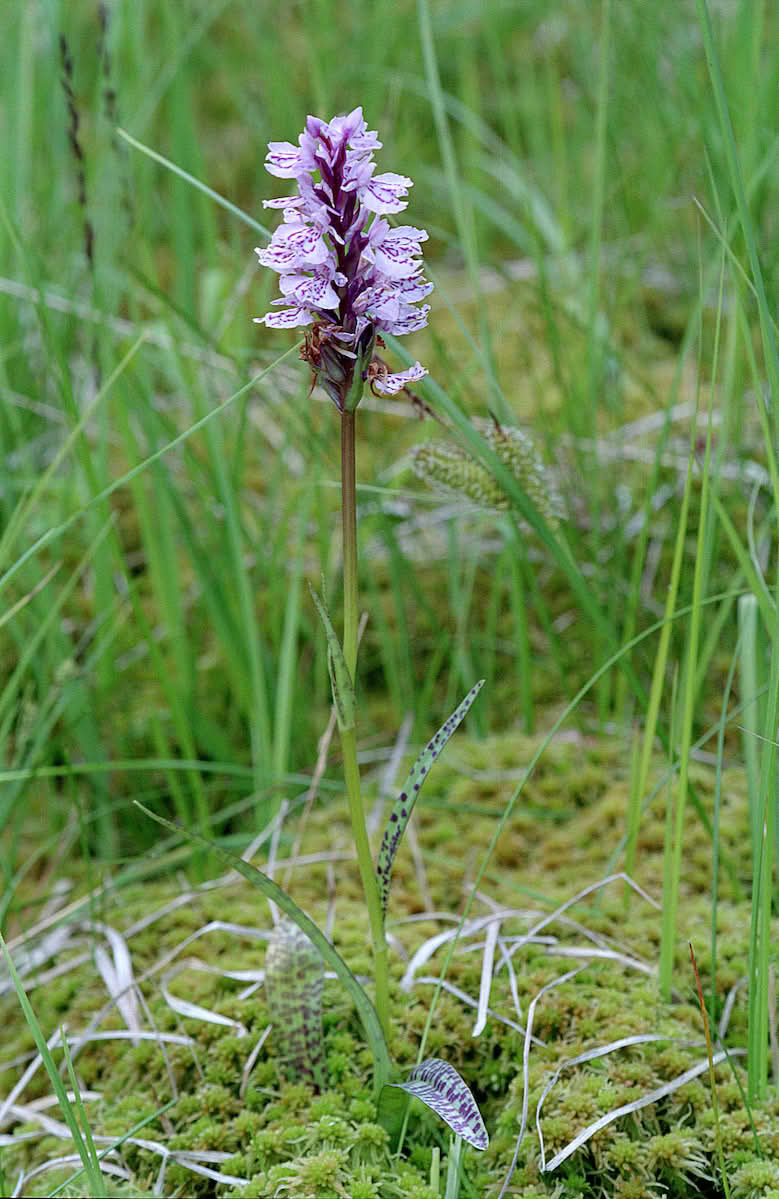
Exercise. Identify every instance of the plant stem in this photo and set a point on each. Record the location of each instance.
(348, 737)
(349, 522)
(368, 876)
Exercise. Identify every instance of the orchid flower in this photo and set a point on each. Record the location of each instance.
(342, 267)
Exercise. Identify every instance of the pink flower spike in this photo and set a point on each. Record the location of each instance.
(341, 265)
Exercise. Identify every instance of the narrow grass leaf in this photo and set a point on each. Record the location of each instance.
(381, 1060)
(453, 1168)
(233, 209)
(737, 183)
(82, 1116)
(687, 714)
(95, 1181)
(667, 1088)
(748, 659)
(194, 1011)
(74, 1178)
(712, 1078)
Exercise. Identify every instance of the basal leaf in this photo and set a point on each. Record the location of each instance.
(404, 804)
(382, 1067)
(294, 979)
(440, 1088)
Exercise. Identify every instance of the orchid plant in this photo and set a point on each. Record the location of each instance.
(346, 276)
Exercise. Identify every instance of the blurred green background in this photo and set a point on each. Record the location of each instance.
(570, 166)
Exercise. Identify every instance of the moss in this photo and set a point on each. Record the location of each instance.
(364, 1188)
(286, 1139)
(362, 1108)
(630, 1188)
(322, 1171)
(627, 1156)
(676, 1155)
(755, 1179)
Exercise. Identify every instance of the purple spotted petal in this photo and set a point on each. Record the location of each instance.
(409, 321)
(411, 290)
(407, 232)
(397, 262)
(283, 160)
(365, 142)
(404, 804)
(278, 257)
(390, 385)
(284, 202)
(357, 175)
(315, 291)
(385, 193)
(440, 1088)
(380, 302)
(395, 252)
(286, 318)
(307, 243)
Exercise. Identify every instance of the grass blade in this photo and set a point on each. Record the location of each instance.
(382, 1067)
(95, 1181)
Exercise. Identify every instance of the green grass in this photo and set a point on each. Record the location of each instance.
(600, 184)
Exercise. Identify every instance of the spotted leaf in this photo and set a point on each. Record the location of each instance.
(440, 1088)
(403, 806)
(294, 978)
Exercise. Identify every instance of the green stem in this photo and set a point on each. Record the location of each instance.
(368, 876)
(349, 521)
(348, 736)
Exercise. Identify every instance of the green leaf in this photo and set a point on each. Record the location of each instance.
(364, 347)
(340, 679)
(91, 1168)
(391, 1112)
(404, 804)
(382, 1066)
